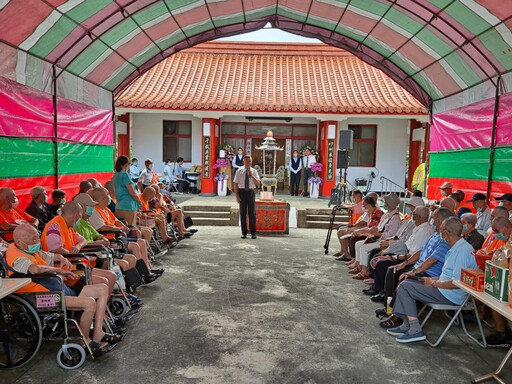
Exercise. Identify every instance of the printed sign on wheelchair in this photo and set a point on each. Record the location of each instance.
(50, 300)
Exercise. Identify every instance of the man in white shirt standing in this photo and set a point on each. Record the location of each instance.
(245, 182)
(146, 176)
(308, 160)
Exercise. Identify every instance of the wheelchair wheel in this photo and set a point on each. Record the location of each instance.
(20, 332)
(118, 307)
(71, 356)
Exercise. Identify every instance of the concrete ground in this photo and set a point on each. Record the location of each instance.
(270, 310)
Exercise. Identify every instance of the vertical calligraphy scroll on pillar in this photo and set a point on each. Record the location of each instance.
(330, 161)
(206, 157)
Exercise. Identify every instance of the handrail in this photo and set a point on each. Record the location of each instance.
(389, 186)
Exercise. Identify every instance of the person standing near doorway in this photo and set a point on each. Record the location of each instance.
(308, 160)
(245, 182)
(295, 169)
(134, 170)
(238, 160)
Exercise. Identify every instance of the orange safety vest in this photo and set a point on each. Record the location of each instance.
(491, 243)
(145, 204)
(13, 253)
(68, 235)
(108, 218)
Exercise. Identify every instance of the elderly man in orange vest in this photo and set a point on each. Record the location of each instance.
(60, 237)
(10, 215)
(145, 197)
(103, 219)
(25, 256)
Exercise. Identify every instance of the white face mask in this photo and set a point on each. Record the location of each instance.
(150, 166)
(295, 156)
(443, 192)
(16, 201)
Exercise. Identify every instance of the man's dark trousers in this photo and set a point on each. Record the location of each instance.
(247, 205)
(307, 176)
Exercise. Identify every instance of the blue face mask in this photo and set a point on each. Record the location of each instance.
(501, 236)
(433, 225)
(89, 211)
(408, 210)
(385, 206)
(63, 201)
(77, 222)
(502, 204)
(464, 228)
(33, 248)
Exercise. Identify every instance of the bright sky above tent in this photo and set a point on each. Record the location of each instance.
(271, 35)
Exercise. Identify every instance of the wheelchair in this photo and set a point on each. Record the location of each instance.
(28, 318)
(156, 247)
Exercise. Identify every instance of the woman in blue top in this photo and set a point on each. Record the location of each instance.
(127, 200)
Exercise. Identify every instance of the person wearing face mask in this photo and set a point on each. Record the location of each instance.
(506, 201)
(446, 190)
(146, 176)
(483, 212)
(471, 235)
(127, 200)
(435, 290)
(134, 170)
(11, 215)
(59, 236)
(58, 201)
(25, 257)
(295, 167)
(38, 207)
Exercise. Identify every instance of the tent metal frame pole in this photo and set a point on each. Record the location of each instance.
(493, 137)
(55, 127)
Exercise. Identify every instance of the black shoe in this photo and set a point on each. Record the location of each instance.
(158, 272)
(188, 234)
(381, 312)
(193, 230)
(253, 236)
(379, 298)
(497, 339)
(244, 237)
(370, 291)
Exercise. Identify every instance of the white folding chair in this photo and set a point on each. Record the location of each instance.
(466, 306)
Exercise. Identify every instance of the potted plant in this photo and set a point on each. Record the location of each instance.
(315, 182)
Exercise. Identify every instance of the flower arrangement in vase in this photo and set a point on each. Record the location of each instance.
(315, 181)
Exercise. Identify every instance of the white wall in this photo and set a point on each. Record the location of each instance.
(146, 133)
(390, 152)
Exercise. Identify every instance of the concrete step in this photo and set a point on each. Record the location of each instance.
(212, 221)
(207, 208)
(208, 214)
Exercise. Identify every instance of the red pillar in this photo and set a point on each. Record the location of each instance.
(414, 151)
(327, 150)
(123, 140)
(210, 136)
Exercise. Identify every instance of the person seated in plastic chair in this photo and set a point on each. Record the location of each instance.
(60, 237)
(11, 215)
(439, 290)
(177, 173)
(26, 257)
(471, 234)
(102, 219)
(176, 214)
(160, 220)
(58, 201)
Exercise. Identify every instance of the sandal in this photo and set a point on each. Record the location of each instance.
(337, 254)
(360, 276)
(381, 312)
(355, 271)
(111, 339)
(96, 349)
(391, 322)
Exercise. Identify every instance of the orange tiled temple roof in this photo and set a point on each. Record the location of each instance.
(268, 77)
